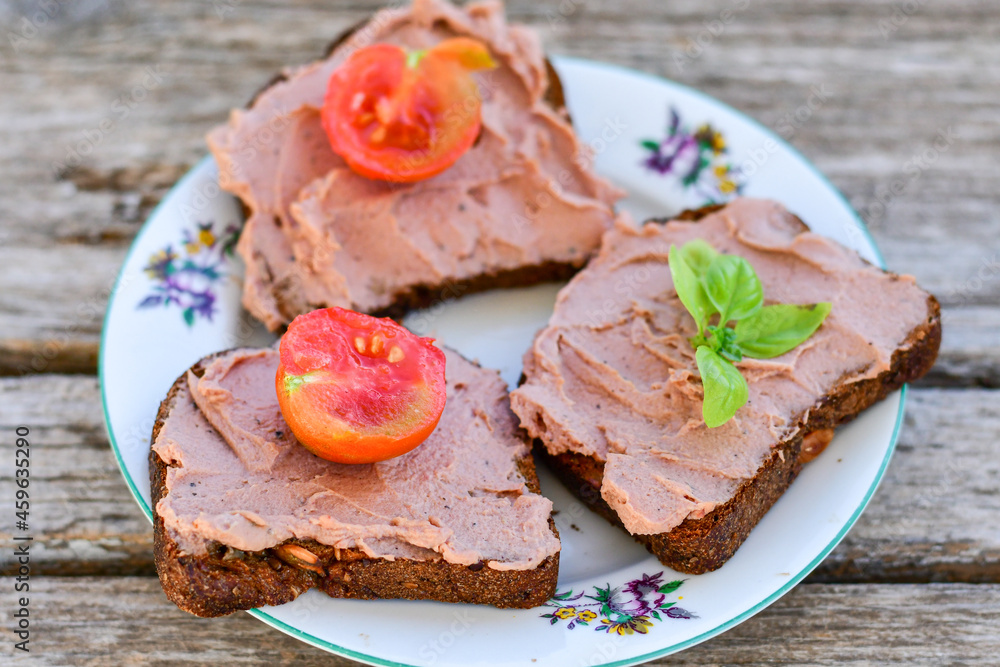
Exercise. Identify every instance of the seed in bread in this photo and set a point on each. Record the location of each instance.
(458, 519)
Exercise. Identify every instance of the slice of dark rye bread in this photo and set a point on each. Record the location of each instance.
(701, 545)
(290, 304)
(226, 580)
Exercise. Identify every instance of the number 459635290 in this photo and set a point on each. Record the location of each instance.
(22, 461)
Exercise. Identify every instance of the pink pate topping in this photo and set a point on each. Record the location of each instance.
(238, 476)
(614, 377)
(317, 234)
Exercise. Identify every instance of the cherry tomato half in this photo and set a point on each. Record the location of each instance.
(405, 116)
(358, 389)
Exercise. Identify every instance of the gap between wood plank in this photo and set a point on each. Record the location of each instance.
(932, 519)
(128, 620)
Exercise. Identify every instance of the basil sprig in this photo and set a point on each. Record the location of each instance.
(709, 283)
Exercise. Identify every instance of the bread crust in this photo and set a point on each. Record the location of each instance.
(289, 302)
(226, 580)
(701, 545)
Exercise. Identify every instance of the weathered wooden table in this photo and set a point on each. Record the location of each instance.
(103, 105)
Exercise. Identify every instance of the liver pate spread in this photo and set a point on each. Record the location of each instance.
(614, 377)
(238, 477)
(317, 234)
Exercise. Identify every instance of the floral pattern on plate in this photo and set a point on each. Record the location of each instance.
(626, 610)
(699, 160)
(499, 328)
(188, 278)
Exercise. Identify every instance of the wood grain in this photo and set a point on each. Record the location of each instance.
(82, 516)
(138, 106)
(105, 105)
(938, 503)
(970, 348)
(814, 624)
(969, 356)
(933, 519)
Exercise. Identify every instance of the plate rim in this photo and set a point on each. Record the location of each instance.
(658, 653)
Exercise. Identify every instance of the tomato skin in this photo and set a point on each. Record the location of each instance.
(358, 389)
(405, 116)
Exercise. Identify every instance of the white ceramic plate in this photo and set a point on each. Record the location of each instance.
(178, 298)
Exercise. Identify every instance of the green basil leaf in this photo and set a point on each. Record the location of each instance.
(774, 330)
(726, 390)
(723, 341)
(699, 255)
(689, 289)
(733, 288)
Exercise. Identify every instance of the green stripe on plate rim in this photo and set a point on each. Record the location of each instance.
(340, 650)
